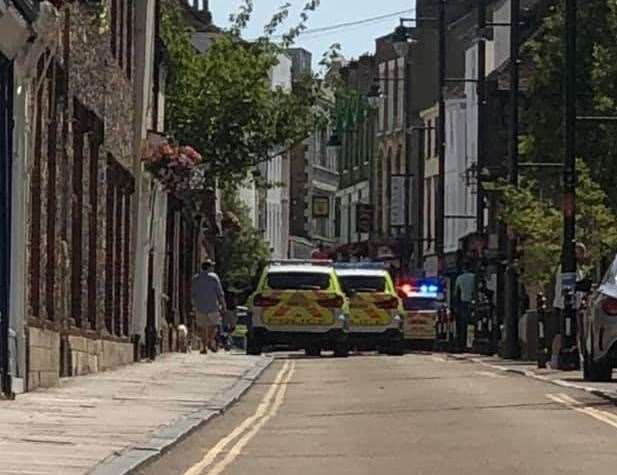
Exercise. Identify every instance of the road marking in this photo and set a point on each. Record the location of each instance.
(490, 374)
(246, 438)
(573, 404)
(262, 409)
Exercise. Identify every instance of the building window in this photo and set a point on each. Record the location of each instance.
(436, 139)
(122, 21)
(120, 188)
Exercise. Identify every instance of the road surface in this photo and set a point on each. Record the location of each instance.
(417, 414)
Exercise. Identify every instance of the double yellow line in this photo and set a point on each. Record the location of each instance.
(213, 463)
(602, 416)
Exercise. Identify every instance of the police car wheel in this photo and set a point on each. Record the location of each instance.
(341, 350)
(253, 347)
(313, 350)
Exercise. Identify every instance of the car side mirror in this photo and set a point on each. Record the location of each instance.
(584, 285)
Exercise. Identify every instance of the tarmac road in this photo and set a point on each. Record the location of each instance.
(417, 414)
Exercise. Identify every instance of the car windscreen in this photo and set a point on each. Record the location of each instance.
(298, 281)
(421, 303)
(362, 283)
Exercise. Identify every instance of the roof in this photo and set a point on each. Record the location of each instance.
(308, 268)
(361, 273)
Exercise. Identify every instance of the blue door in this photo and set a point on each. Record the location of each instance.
(6, 153)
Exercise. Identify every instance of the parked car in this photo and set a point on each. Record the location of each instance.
(598, 332)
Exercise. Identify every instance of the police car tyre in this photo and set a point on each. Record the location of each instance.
(313, 351)
(341, 350)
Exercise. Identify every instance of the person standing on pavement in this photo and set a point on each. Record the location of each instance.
(464, 289)
(558, 301)
(209, 302)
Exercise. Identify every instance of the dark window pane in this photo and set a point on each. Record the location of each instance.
(415, 303)
(298, 281)
(360, 283)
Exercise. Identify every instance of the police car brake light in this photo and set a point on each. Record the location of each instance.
(261, 300)
(388, 304)
(334, 301)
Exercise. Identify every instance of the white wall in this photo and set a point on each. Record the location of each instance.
(350, 196)
(501, 14)
(277, 172)
(460, 200)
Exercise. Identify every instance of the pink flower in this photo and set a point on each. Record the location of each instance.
(191, 153)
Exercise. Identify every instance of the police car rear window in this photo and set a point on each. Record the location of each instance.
(359, 283)
(298, 281)
(419, 303)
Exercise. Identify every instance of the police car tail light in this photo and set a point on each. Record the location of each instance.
(334, 301)
(388, 304)
(263, 301)
(609, 306)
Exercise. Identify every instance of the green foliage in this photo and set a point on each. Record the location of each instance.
(223, 103)
(538, 225)
(243, 249)
(596, 69)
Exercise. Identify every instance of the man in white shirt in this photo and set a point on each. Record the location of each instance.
(464, 291)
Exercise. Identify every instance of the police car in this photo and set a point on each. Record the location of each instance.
(375, 309)
(298, 305)
(423, 302)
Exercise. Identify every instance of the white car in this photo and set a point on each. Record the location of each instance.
(598, 335)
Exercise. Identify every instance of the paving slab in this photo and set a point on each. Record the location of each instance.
(112, 422)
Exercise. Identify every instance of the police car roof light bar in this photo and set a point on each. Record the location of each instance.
(279, 262)
(360, 265)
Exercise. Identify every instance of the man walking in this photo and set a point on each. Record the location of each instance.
(209, 301)
(464, 295)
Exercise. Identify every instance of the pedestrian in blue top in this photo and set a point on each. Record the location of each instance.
(209, 302)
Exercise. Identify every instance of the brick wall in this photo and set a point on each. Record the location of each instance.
(43, 358)
(79, 199)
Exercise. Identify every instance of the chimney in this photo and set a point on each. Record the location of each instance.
(201, 9)
(199, 5)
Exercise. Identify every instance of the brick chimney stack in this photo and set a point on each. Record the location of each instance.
(201, 9)
(199, 5)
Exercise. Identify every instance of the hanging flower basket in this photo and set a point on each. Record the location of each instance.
(173, 166)
(231, 223)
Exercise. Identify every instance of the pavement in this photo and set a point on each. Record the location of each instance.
(566, 379)
(416, 414)
(112, 422)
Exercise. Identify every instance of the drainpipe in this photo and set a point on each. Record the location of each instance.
(6, 155)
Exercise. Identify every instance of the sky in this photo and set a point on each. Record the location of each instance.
(355, 40)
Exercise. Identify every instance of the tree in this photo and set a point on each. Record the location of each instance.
(596, 68)
(223, 103)
(537, 223)
(243, 248)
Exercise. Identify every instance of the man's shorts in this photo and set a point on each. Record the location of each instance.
(210, 319)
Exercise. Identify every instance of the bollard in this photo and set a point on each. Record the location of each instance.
(543, 351)
(484, 341)
(441, 331)
(568, 358)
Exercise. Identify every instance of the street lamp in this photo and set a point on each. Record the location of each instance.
(401, 40)
(374, 96)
